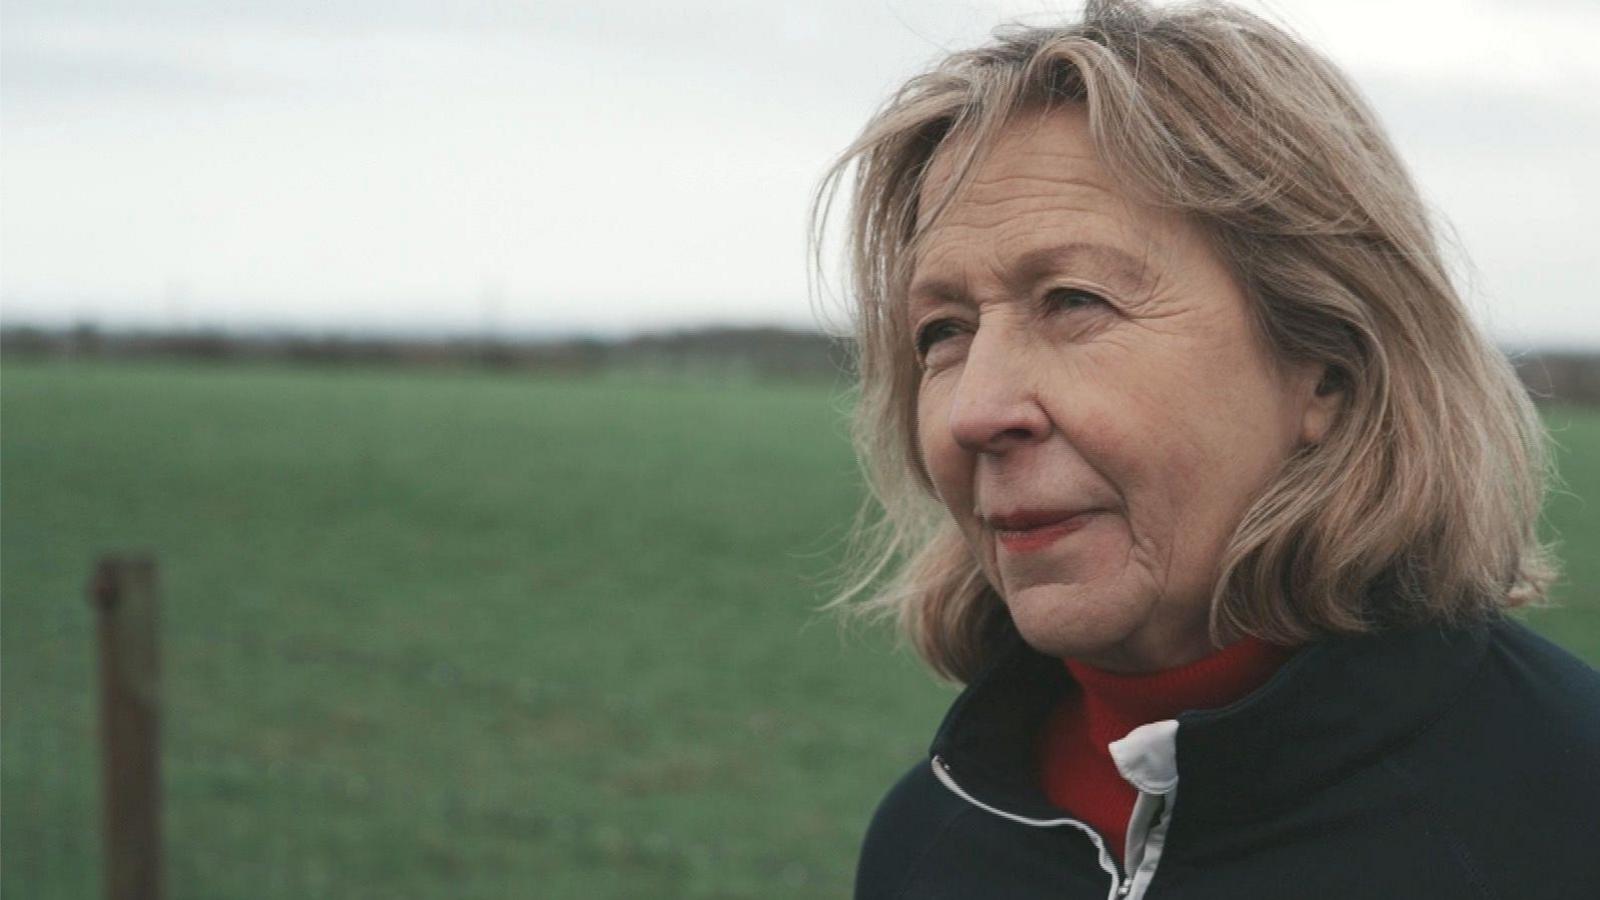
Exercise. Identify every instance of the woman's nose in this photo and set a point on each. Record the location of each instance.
(995, 405)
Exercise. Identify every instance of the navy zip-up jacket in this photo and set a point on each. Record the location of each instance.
(1418, 763)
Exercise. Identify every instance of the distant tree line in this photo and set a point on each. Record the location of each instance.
(768, 353)
(753, 352)
(1561, 376)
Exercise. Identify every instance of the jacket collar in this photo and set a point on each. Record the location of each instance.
(1336, 705)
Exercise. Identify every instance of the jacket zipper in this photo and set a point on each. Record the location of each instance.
(1120, 884)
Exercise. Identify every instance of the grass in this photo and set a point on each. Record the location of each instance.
(460, 635)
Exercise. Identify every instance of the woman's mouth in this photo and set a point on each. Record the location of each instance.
(1036, 537)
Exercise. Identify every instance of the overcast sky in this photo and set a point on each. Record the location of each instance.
(609, 166)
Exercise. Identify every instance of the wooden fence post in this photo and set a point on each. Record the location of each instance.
(123, 593)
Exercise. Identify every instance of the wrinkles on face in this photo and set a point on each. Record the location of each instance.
(1142, 397)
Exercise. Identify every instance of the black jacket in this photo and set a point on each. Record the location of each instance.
(1420, 763)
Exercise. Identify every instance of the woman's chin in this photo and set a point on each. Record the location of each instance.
(1110, 625)
(1076, 621)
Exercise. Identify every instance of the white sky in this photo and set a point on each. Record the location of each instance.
(611, 165)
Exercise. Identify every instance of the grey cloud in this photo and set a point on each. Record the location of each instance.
(1481, 118)
(29, 69)
(662, 23)
(830, 51)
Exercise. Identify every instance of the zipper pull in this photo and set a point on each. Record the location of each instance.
(1125, 887)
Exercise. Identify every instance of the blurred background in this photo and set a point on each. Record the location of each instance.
(456, 363)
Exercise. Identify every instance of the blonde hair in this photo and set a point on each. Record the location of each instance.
(1420, 504)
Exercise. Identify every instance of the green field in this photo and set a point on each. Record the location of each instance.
(460, 635)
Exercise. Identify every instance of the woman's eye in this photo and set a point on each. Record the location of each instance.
(934, 332)
(1071, 298)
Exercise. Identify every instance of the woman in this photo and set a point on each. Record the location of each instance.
(1196, 473)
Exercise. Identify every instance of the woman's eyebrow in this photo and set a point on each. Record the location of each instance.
(1126, 271)
(935, 291)
(1122, 269)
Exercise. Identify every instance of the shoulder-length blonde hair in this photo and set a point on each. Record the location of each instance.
(1421, 502)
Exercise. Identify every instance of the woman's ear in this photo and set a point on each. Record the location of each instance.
(1322, 407)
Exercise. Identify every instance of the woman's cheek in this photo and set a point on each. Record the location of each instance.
(939, 452)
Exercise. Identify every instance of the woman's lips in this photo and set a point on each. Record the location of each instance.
(1028, 540)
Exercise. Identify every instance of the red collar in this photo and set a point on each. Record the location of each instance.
(1117, 703)
(1078, 772)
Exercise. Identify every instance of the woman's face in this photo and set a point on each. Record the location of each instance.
(1095, 409)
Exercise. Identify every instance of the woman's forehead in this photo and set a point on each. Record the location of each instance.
(1038, 202)
(1040, 174)
(1030, 145)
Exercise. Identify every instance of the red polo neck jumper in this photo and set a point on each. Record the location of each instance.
(1079, 774)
